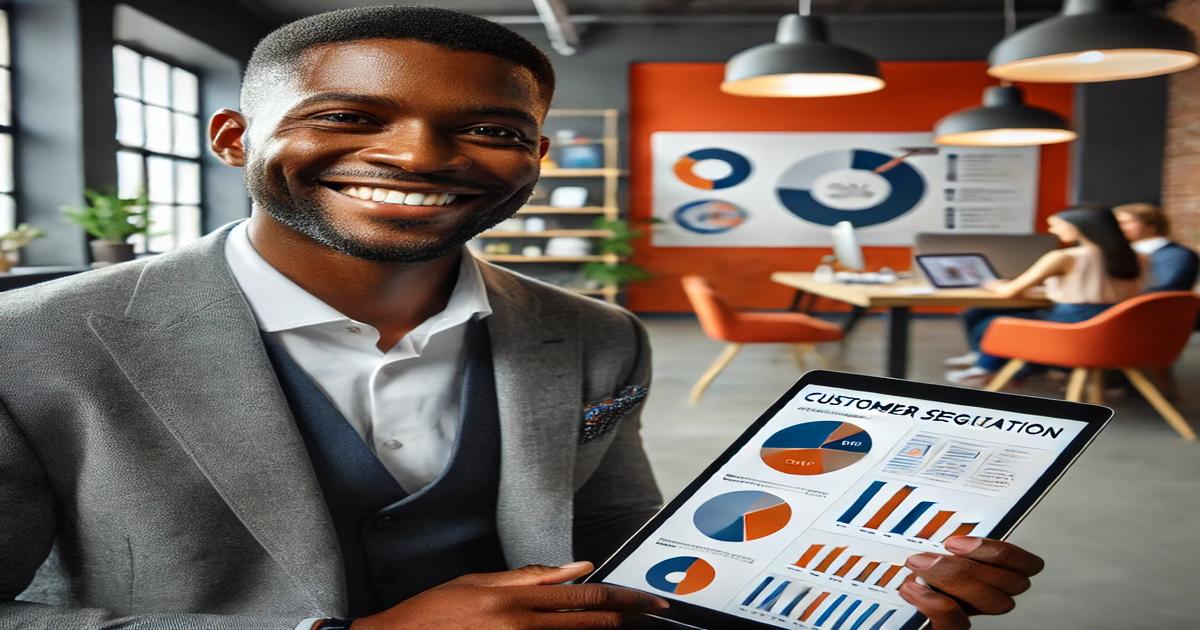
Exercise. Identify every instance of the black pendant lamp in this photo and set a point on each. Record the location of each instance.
(1004, 120)
(801, 62)
(1095, 40)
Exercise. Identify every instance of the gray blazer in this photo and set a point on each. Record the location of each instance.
(152, 477)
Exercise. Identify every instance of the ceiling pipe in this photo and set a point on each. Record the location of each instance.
(564, 38)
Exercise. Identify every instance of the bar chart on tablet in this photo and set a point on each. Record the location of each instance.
(896, 509)
(805, 605)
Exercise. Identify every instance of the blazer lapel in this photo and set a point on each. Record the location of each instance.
(537, 362)
(189, 344)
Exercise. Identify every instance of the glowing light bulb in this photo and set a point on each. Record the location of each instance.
(1091, 56)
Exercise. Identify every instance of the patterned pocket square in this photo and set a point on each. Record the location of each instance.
(600, 417)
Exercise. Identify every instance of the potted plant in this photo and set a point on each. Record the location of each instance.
(12, 241)
(112, 219)
(619, 244)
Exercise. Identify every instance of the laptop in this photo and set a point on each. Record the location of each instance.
(1009, 254)
(957, 271)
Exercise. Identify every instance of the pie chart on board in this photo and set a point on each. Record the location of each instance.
(814, 448)
(742, 516)
(682, 576)
(861, 186)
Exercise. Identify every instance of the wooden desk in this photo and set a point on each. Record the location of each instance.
(898, 297)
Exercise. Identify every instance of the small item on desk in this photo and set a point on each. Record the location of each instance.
(824, 271)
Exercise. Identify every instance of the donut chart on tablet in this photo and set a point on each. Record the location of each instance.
(742, 516)
(815, 448)
(683, 575)
(861, 186)
(739, 169)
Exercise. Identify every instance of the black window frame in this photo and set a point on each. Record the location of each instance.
(10, 129)
(146, 154)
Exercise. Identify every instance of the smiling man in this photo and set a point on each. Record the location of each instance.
(331, 415)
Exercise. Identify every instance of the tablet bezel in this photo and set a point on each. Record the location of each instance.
(929, 276)
(1096, 418)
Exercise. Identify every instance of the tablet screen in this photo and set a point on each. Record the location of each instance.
(807, 520)
(950, 271)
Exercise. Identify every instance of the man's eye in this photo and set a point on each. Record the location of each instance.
(342, 117)
(494, 132)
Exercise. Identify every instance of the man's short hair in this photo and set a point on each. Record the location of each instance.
(1147, 214)
(277, 55)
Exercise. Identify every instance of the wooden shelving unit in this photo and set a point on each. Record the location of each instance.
(610, 175)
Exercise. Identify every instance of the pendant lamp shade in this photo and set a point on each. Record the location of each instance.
(801, 62)
(1004, 120)
(1095, 40)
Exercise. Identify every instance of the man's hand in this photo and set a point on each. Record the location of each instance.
(531, 597)
(982, 577)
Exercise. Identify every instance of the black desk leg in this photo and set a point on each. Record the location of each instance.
(856, 313)
(897, 361)
(797, 299)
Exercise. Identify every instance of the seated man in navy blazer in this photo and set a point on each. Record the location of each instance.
(1173, 267)
(332, 415)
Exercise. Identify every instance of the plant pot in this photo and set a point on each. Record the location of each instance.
(7, 262)
(106, 253)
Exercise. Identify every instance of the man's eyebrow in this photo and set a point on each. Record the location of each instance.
(510, 112)
(365, 99)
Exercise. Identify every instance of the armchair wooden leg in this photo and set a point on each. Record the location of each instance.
(722, 361)
(801, 352)
(1005, 375)
(1075, 384)
(1095, 387)
(1160, 404)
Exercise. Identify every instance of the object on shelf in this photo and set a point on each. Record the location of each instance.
(581, 156)
(568, 246)
(532, 251)
(510, 225)
(535, 224)
(498, 249)
(569, 197)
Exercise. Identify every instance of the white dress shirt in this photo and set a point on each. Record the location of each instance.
(1147, 246)
(403, 402)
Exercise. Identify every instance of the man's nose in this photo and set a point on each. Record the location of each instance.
(417, 148)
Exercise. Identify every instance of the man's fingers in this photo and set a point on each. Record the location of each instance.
(530, 575)
(980, 587)
(944, 613)
(996, 552)
(589, 597)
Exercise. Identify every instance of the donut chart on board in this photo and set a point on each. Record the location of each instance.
(683, 575)
(709, 216)
(739, 168)
(796, 187)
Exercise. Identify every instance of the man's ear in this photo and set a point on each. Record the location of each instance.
(543, 147)
(225, 135)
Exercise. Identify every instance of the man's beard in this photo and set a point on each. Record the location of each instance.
(309, 217)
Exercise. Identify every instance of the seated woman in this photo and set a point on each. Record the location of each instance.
(1083, 280)
(1172, 267)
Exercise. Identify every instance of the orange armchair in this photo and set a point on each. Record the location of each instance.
(723, 323)
(1148, 331)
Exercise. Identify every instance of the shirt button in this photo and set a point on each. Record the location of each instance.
(393, 444)
(384, 522)
(354, 329)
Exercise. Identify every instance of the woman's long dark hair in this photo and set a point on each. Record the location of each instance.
(1099, 226)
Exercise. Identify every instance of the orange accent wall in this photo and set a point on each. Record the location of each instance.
(686, 97)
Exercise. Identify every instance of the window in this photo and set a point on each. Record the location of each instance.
(158, 138)
(8, 205)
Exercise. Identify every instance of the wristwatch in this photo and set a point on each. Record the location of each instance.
(330, 623)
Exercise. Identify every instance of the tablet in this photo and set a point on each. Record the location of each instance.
(805, 522)
(957, 271)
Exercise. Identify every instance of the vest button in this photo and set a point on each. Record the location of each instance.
(384, 522)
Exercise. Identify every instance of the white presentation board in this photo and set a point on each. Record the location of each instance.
(785, 189)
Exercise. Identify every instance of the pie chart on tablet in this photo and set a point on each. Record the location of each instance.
(815, 448)
(682, 576)
(742, 516)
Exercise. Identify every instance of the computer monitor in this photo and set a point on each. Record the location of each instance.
(846, 247)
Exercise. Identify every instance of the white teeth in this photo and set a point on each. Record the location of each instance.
(387, 195)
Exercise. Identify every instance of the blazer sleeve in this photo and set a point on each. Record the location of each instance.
(27, 531)
(1173, 268)
(621, 495)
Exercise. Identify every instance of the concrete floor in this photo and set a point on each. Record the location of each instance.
(1118, 532)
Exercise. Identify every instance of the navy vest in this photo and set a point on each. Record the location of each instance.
(395, 545)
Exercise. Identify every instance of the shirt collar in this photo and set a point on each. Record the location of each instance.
(1150, 245)
(280, 304)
